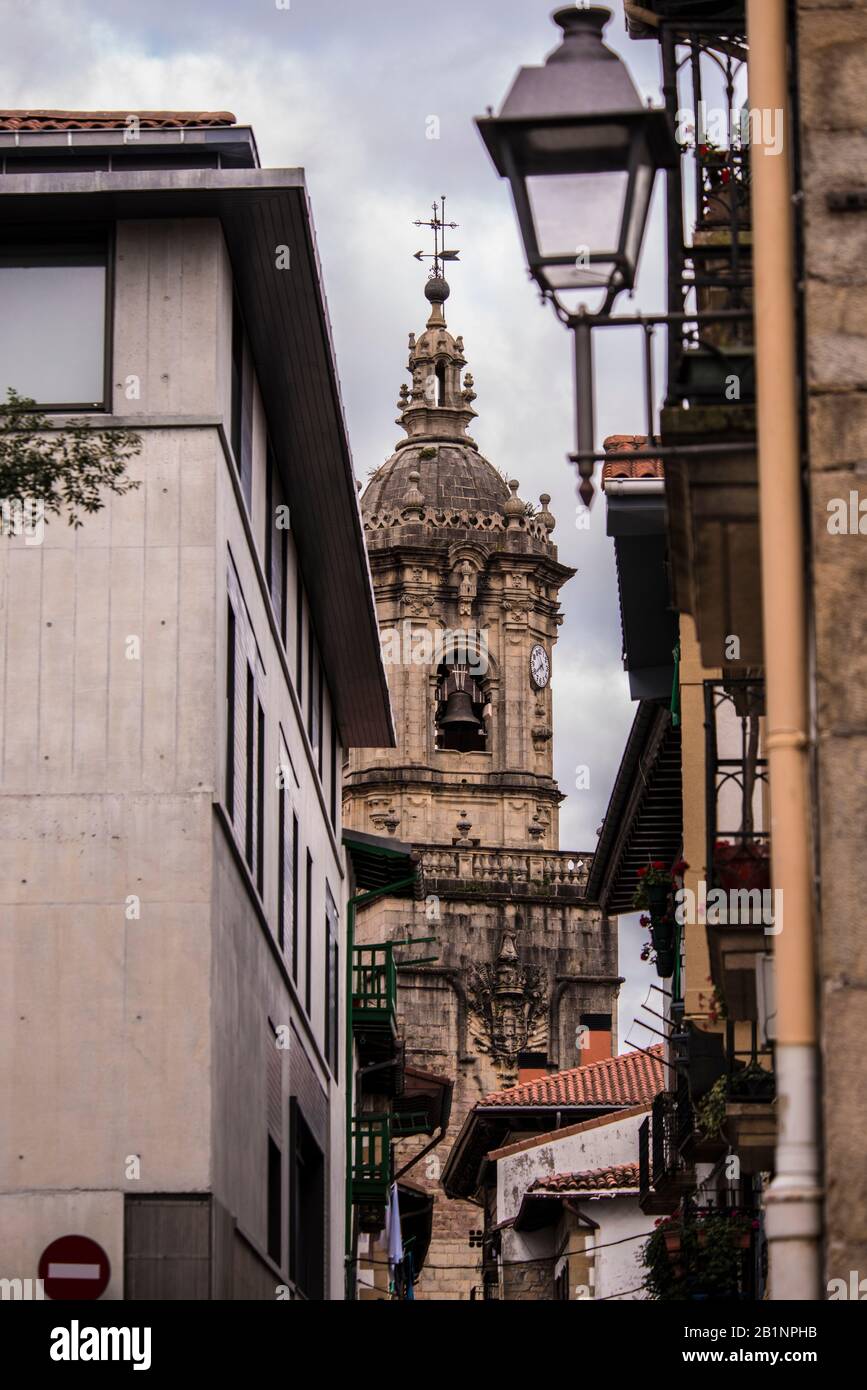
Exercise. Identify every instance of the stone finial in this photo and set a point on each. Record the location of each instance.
(464, 827)
(414, 501)
(468, 394)
(411, 342)
(391, 821)
(514, 508)
(536, 828)
(545, 516)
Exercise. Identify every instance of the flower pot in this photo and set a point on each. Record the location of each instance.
(662, 936)
(665, 964)
(657, 896)
(742, 866)
(672, 1241)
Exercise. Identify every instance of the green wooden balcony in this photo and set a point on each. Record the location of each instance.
(371, 1158)
(374, 1001)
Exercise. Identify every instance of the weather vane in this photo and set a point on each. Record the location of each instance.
(438, 226)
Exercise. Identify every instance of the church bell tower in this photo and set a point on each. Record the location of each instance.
(467, 584)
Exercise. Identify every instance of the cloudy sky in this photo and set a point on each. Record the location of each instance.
(346, 89)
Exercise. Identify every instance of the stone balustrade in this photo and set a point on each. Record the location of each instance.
(508, 869)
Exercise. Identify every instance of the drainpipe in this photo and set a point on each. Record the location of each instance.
(794, 1210)
(360, 900)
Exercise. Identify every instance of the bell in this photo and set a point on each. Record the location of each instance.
(459, 711)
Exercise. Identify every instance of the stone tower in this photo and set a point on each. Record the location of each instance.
(467, 582)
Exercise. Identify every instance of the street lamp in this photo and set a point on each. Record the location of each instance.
(580, 151)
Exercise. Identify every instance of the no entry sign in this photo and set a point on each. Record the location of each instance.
(73, 1268)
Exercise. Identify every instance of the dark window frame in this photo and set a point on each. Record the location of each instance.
(231, 696)
(274, 1201)
(250, 762)
(332, 983)
(260, 797)
(308, 1187)
(308, 935)
(281, 869)
(91, 234)
(295, 867)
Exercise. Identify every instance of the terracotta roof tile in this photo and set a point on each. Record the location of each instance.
(619, 1175)
(626, 1080)
(111, 120)
(619, 465)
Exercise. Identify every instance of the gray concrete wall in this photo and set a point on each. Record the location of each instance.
(136, 976)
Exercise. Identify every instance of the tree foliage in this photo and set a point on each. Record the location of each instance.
(67, 469)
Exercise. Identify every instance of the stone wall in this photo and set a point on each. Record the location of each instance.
(573, 948)
(832, 42)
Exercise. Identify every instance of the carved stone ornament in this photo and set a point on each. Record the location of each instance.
(508, 1005)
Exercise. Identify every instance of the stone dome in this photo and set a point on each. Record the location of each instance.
(451, 475)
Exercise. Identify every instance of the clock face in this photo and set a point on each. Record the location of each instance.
(540, 667)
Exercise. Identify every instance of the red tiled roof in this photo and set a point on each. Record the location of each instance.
(619, 465)
(626, 1080)
(111, 120)
(619, 1175)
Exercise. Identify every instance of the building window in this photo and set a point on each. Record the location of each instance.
(306, 1207)
(282, 878)
(260, 798)
(332, 983)
(242, 404)
(275, 1202)
(250, 786)
(314, 702)
(53, 316)
(231, 647)
(335, 755)
(308, 933)
(294, 897)
(299, 636)
(276, 543)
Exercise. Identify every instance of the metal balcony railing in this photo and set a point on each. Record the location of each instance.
(736, 790)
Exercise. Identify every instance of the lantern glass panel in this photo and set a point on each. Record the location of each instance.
(575, 211)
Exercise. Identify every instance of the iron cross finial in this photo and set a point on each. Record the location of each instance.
(438, 225)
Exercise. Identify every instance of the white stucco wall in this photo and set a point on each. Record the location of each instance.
(619, 1218)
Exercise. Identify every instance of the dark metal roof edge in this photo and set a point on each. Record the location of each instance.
(647, 717)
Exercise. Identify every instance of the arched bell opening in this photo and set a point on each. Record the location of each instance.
(462, 709)
(441, 383)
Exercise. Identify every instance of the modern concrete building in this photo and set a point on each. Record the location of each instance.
(181, 678)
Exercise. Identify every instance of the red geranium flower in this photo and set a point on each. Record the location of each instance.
(639, 873)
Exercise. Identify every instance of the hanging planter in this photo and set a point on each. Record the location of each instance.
(657, 896)
(655, 883)
(662, 934)
(665, 964)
